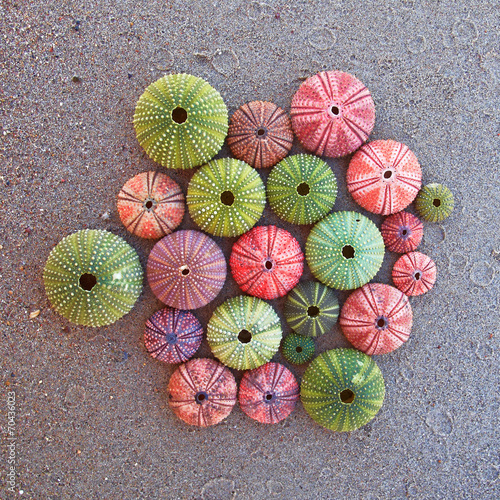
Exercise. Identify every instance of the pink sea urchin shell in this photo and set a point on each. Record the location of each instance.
(151, 205)
(376, 318)
(414, 273)
(269, 393)
(202, 392)
(402, 232)
(186, 269)
(384, 177)
(267, 262)
(332, 114)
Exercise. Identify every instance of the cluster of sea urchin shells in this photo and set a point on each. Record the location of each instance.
(181, 121)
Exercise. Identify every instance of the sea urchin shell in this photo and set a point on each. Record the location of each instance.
(298, 349)
(402, 232)
(414, 273)
(434, 202)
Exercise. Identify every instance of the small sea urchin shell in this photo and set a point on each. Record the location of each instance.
(302, 189)
(244, 332)
(376, 319)
(172, 336)
(260, 133)
(202, 392)
(384, 177)
(226, 197)
(434, 202)
(267, 262)
(332, 114)
(298, 349)
(345, 250)
(342, 389)
(181, 121)
(151, 205)
(311, 309)
(93, 277)
(186, 269)
(269, 393)
(414, 273)
(402, 232)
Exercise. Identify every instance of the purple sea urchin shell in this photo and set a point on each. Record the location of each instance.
(332, 114)
(186, 269)
(202, 392)
(414, 273)
(402, 232)
(172, 336)
(269, 393)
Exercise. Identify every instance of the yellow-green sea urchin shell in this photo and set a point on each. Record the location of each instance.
(93, 277)
(226, 197)
(244, 332)
(434, 202)
(181, 121)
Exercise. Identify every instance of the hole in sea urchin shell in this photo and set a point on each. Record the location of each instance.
(200, 397)
(227, 198)
(303, 189)
(382, 323)
(348, 251)
(261, 132)
(179, 115)
(298, 349)
(184, 270)
(347, 396)
(335, 110)
(88, 281)
(312, 311)
(387, 174)
(148, 205)
(436, 202)
(417, 275)
(244, 336)
(268, 264)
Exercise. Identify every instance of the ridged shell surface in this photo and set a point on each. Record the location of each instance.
(342, 389)
(269, 393)
(244, 332)
(332, 114)
(260, 133)
(181, 121)
(93, 277)
(186, 269)
(151, 205)
(376, 319)
(302, 189)
(384, 177)
(226, 197)
(202, 392)
(402, 232)
(267, 262)
(414, 273)
(345, 250)
(434, 202)
(298, 349)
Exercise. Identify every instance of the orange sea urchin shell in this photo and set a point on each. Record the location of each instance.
(402, 232)
(414, 273)
(384, 177)
(332, 114)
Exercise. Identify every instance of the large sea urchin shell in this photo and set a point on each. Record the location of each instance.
(202, 392)
(298, 349)
(345, 250)
(181, 121)
(402, 232)
(186, 269)
(269, 393)
(414, 273)
(384, 177)
(244, 332)
(260, 133)
(267, 262)
(332, 114)
(93, 277)
(302, 189)
(342, 389)
(376, 319)
(311, 309)
(434, 202)
(226, 197)
(172, 336)
(151, 205)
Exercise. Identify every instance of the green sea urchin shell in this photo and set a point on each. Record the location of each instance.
(311, 309)
(345, 250)
(434, 202)
(298, 349)
(181, 121)
(244, 332)
(342, 389)
(302, 189)
(93, 277)
(226, 197)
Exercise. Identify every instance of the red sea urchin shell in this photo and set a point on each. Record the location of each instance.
(332, 114)
(414, 273)
(402, 232)
(186, 269)
(376, 318)
(151, 205)
(260, 134)
(267, 262)
(202, 392)
(269, 393)
(384, 177)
